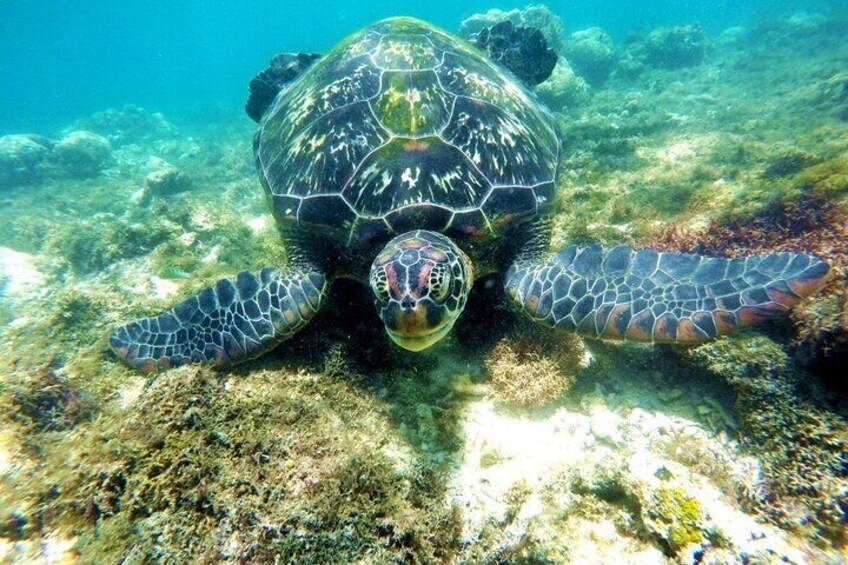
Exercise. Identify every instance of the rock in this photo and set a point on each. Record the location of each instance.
(732, 36)
(590, 53)
(22, 159)
(605, 428)
(27, 160)
(806, 22)
(20, 279)
(669, 395)
(676, 47)
(80, 154)
(538, 16)
(563, 88)
(129, 124)
(167, 180)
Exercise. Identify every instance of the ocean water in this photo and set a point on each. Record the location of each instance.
(61, 60)
(128, 184)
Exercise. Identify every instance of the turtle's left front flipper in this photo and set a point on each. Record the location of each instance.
(653, 296)
(232, 321)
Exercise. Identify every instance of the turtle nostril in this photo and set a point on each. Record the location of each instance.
(407, 303)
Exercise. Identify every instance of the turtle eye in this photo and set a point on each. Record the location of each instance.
(440, 281)
(380, 284)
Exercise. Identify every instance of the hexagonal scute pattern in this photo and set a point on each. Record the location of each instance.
(406, 125)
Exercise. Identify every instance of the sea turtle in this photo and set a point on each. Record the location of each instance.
(413, 161)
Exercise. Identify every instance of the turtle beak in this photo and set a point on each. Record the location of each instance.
(415, 325)
(420, 282)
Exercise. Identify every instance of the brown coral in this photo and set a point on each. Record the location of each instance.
(534, 366)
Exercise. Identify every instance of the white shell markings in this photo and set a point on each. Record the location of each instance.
(408, 179)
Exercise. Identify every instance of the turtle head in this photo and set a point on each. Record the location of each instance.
(421, 281)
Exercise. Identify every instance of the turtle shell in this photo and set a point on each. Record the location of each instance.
(403, 126)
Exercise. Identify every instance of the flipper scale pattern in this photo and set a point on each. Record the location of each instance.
(660, 297)
(232, 321)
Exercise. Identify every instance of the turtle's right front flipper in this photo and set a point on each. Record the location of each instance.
(232, 321)
(660, 297)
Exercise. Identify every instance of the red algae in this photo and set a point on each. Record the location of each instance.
(807, 225)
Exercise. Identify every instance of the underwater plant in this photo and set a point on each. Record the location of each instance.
(533, 367)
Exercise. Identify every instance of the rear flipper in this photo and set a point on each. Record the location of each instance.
(649, 296)
(233, 321)
(283, 69)
(522, 50)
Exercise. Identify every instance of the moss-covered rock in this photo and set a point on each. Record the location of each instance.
(675, 517)
(675, 47)
(801, 442)
(591, 54)
(90, 245)
(564, 88)
(46, 399)
(81, 154)
(166, 181)
(280, 466)
(128, 124)
(23, 159)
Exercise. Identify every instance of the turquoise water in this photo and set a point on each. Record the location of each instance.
(62, 60)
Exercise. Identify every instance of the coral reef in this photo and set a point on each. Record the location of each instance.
(614, 474)
(675, 517)
(22, 159)
(129, 124)
(166, 181)
(533, 367)
(93, 244)
(676, 47)
(81, 154)
(28, 159)
(522, 50)
(564, 88)
(591, 54)
(536, 16)
(46, 400)
(273, 488)
(335, 448)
